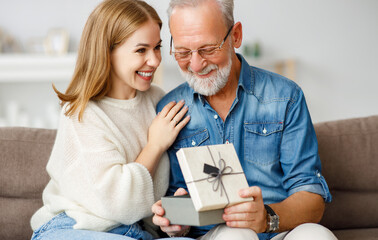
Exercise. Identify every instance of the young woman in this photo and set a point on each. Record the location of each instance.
(108, 165)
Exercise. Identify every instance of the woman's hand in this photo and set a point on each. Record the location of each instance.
(167, 124)
(162, 133)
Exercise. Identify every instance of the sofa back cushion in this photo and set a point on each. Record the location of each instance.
(348, 150)
(24, 153)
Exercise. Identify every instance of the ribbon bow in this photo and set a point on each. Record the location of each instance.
(216, 174)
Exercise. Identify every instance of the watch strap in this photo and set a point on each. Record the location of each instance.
(269, 210)
(273, 220)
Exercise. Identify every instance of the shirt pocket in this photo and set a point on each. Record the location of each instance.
(262, 142)
(192, 139)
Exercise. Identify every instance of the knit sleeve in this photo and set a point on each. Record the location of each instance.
(102, 179)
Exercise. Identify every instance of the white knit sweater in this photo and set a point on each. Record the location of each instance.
(94, 178)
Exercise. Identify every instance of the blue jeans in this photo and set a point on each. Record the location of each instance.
(60, 227)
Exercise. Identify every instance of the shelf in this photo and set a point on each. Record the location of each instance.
(36, 68)
(285, 67)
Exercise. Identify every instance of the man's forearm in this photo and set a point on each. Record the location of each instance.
(301, 207)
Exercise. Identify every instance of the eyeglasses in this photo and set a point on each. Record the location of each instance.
(205, 52)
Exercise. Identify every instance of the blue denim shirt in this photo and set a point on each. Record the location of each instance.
(270, 127)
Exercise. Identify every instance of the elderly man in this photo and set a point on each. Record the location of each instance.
(262, 113)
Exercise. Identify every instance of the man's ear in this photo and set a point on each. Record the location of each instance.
(237, 35)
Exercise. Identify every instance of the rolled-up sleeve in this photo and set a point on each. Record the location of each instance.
(299, 158)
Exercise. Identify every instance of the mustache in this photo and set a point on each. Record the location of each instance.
(205, 70)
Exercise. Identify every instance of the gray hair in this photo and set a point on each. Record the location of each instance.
(226, 6)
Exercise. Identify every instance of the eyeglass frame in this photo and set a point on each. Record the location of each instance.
(192, 51)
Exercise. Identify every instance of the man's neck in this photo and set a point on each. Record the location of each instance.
(222, 101)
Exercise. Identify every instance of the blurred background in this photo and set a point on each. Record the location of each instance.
(329, 47)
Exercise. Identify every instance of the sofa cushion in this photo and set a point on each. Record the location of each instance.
(348, 150)
(352, 234)
(24, 153)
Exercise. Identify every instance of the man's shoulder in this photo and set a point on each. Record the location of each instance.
(182, 91)
(269, 85)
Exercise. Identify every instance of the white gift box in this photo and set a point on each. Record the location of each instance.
(213, 175)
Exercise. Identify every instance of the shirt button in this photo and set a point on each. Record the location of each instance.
(215, 116)
(193, 142)
(227, 142)
(265, 131)
(319, 175)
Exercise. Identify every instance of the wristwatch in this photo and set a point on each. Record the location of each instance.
(272, 219)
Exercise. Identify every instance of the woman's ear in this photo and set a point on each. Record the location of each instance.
(237, 35)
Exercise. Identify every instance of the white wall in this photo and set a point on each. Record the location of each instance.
(26, 19)
(333, 41)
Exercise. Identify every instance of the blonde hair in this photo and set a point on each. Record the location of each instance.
(110, 23)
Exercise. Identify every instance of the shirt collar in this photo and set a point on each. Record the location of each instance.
(246, 77)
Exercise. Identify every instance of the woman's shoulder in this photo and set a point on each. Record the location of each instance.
(91, 113)
(155, 93)
(156, 90)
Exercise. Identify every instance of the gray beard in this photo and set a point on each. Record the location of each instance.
(211, 85)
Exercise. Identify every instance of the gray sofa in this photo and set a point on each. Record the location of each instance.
(348, 150)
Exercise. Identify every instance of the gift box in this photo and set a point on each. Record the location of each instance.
(213, 175)
(180, 210)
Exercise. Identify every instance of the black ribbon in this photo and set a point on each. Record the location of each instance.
(216, 174)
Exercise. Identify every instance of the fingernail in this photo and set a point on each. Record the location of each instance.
(182, 101)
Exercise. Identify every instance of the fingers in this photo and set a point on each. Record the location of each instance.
(180, 192)
(160, 221)
(255, 204)
(182, 123)
(171, 109)
(159, 212)
(163, 222)
(250, 214)
(157, 208)
(238, 216)
(166, 109)
(250, 207)
(174, 112)
(246, 215)
(255, 221)
(240, 224)
(172, 229)
(254, 192)
(178, 116)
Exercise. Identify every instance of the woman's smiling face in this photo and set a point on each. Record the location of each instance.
(135, 61)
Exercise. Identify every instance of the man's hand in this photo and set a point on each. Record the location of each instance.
(251, 214)
(159, 220)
